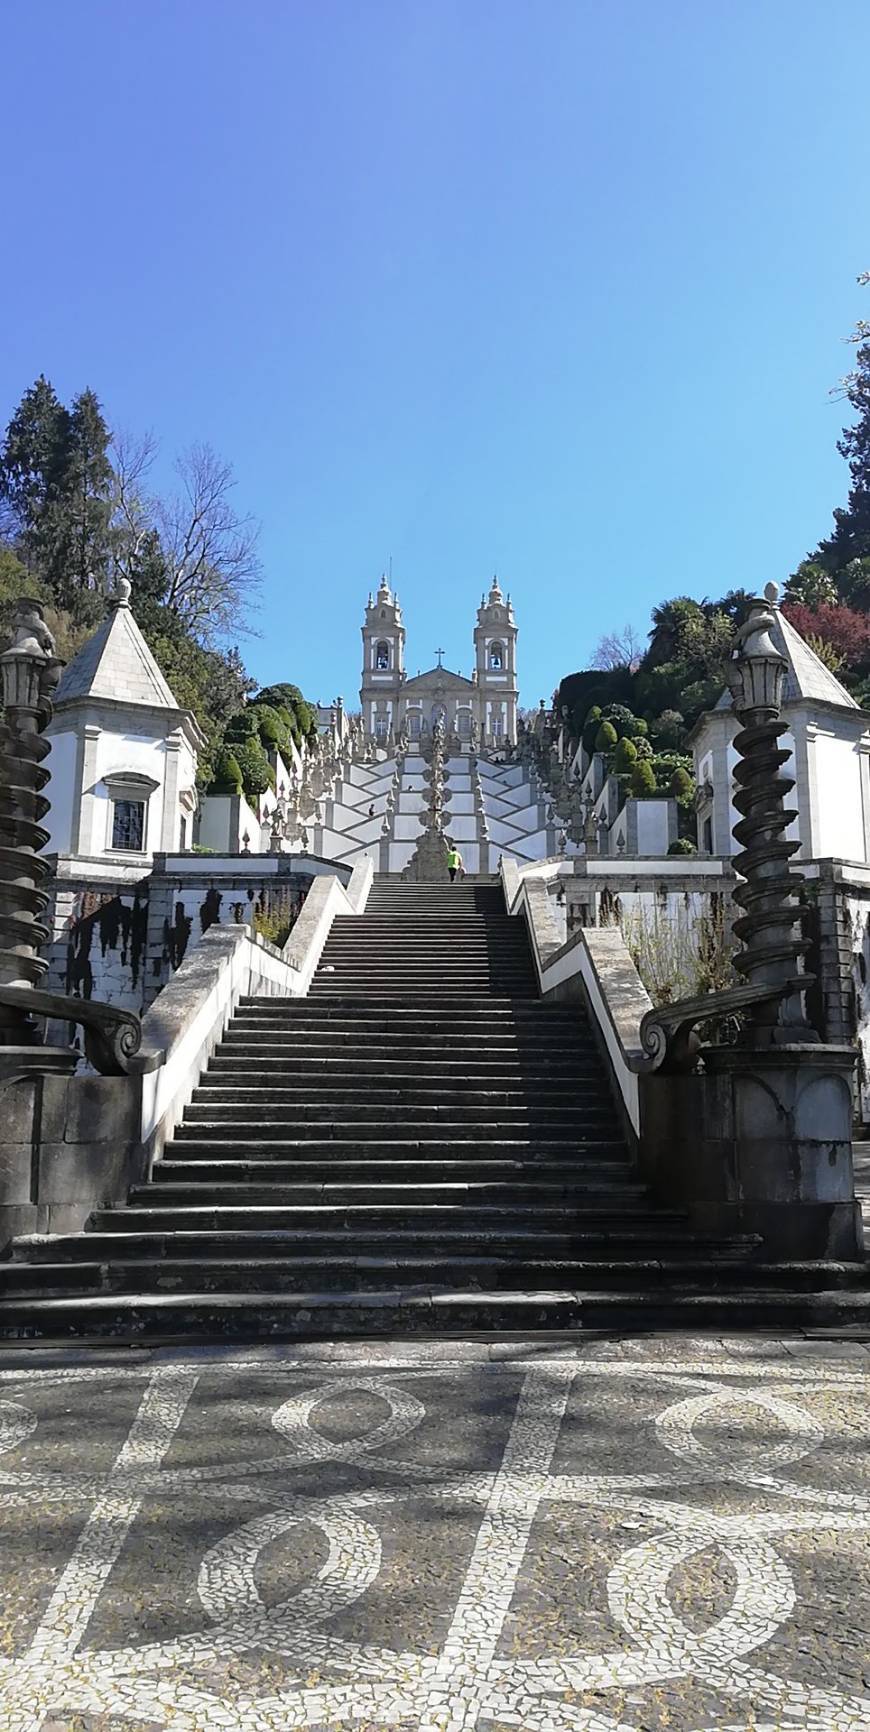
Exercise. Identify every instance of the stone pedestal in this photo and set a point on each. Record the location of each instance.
(67, 1145)
(759, 1142)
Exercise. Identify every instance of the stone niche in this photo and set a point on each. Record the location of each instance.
(67, 1146)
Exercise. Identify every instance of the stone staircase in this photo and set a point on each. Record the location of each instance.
(419, 1145)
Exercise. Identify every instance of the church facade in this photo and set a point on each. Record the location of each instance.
(481, 710)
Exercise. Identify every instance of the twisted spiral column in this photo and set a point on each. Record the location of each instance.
(29, 670)
(770, 928)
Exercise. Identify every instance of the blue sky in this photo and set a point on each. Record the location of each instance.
(553, 290)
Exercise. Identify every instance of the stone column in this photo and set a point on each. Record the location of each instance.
(757, 1141)
(85, 800)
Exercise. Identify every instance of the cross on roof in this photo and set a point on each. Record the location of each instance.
(439, 653)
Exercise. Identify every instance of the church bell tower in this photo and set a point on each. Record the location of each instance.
(495, 652)
(383, 674)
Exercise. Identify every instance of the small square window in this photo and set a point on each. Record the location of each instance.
(128, 825)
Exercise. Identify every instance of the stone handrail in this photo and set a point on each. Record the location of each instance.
(112, 1037)
(186, 1021)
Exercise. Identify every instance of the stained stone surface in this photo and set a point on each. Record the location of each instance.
(599, 1536)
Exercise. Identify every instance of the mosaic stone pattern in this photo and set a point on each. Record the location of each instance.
(622, 1537)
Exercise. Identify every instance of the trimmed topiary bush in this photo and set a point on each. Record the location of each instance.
(625, 757)
(606, 737)
(590, 729)
(682, 846)
(227, 778)
(682, 785)
(256, 771)
(643, 779)
(242, 726)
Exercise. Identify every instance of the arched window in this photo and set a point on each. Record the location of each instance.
(414, 719)
(382, 727)
(496, 657)
(382, 656)
(463, 724)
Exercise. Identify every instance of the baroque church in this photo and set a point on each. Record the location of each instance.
(480, 710)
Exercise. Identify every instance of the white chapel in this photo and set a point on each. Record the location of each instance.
(829, 743)
(123, 751)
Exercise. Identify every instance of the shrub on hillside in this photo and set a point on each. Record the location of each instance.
(643, 779)
(625, 757)
(256, 771)
(227, 777)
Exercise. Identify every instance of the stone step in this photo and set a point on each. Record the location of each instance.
(456, 1136)
(398, 1311)
(276, 1059)
(356, 1274)
(607, 1215)
(534, 1016)
(303, 1093)
(410, 995)
(211, 1187)
(668, 1238)
(529, 1046)
(224, 1143)
(186, 1162)
(271, 1111)
(399, 988)
(540, 1011)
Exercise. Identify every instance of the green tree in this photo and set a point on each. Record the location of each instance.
(56, 485)
(80, 565)
(669, 729)
(33, 465)
(811, 585)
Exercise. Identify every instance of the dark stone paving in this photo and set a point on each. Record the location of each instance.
(623, 1535)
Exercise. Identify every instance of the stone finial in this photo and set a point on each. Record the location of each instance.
(123, 592)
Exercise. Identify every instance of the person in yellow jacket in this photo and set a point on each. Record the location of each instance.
(454, 864)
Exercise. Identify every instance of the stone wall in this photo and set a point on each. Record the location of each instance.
(119, 936)
(838, 927)
(598, 889)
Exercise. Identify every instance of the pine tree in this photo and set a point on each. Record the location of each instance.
(33, 467)
(81, 565)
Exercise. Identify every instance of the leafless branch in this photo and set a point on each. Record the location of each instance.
(618, 649)
(214, 569)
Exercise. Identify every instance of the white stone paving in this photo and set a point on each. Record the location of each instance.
(331, 1680)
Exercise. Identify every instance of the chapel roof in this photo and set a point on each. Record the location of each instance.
(116, 663)
(806, 677)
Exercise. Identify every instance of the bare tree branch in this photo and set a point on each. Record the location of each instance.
(618, 649)
(133, 508)
(214, 569)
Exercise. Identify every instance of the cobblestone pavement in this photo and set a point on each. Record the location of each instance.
(620, 1535)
